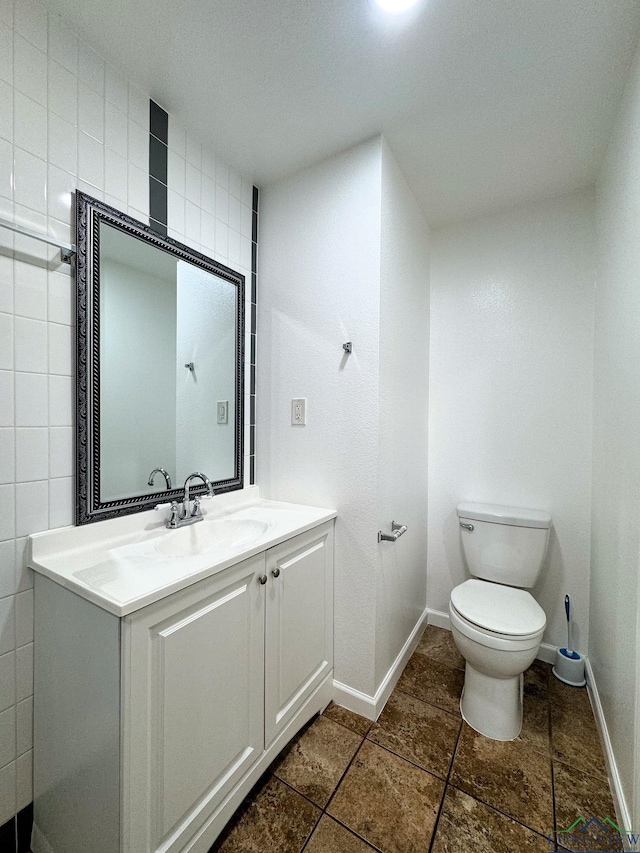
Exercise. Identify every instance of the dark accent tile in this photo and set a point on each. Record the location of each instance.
(157, 201)
(433, 682)
(389, 802)
(254, 257)
(331, 837)
(580, 795)
(467, 825)
(253, 319)
(348, 718)
(253, 349)
(274, 817)
(254, 227)
(158, 159)
(8, 836)
(24, 821)
(256, 194)
(418, 732)
(252, 440)
(507, 775)
(574, 734)
(254, 287)
(439, 644)
(158, 122)
(159, 227)
(252, 379)
(315, 760)
(536, 680)
(252, 410)
(252, 470)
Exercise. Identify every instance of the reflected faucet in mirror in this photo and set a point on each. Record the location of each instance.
(183, 514)
(165, 474)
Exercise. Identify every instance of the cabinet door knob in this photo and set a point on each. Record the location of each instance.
(276, 573)
(263, 579)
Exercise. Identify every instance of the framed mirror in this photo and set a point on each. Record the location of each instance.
(160, 366)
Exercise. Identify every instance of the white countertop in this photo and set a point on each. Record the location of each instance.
(127, 563)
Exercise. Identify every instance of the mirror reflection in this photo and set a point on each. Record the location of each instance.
(167, 369)
(160, 366)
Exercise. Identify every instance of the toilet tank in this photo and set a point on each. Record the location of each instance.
(507, 544)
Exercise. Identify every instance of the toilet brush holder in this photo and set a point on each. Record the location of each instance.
(569, 668)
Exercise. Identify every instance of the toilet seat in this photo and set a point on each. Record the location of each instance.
(491, 640)
(499, 610)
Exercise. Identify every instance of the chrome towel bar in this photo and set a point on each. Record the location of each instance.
(67, 251)
(398, 531)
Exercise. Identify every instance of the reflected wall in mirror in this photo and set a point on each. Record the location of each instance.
(160, 358)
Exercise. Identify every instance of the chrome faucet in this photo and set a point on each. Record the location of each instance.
(183, 514)
(165, 474)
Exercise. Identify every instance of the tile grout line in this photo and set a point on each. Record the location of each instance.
(553, 780)
(430, 704)
(323, 810)
(478, 799)
(335, 791)
(446, 786)
(353, 758)
(497, 810)
(409, 760)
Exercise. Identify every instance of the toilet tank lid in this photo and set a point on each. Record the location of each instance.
(519, 516)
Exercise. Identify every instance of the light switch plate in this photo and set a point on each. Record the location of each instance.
(299, 411)
(223, 411)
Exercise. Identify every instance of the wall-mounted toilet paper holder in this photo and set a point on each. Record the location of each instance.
(398, 531)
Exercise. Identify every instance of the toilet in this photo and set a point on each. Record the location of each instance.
(496, 624)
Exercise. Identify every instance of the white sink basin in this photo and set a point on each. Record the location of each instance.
(127, 563)
(228, 534)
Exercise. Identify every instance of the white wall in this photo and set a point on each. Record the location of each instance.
(331, 263)
(615, 645)
(403, 413)
(206, 336)
(137, 419)
(319, 287)
(68, 120)
(511, 389)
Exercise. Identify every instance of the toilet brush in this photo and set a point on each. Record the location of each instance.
(569, 666)
(567, 610)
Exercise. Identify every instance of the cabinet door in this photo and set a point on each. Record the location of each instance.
(299, 626)
(193, 713)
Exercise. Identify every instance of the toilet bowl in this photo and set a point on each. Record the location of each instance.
(496, 624)
(491, 701)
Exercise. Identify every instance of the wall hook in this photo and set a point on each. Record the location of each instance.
(190, 365)
(348, 347)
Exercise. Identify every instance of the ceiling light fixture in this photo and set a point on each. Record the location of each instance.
(395, 7)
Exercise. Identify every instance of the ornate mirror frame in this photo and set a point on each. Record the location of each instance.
(90, 212)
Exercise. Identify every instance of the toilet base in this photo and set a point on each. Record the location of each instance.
(492, 706)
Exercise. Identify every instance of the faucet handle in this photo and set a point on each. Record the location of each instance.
(196, 512)
(174, 518)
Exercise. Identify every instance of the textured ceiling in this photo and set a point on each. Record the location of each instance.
(485, 103)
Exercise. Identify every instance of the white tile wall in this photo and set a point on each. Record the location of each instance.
(67, 120)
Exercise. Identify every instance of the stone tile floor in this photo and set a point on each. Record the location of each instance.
(419, 780)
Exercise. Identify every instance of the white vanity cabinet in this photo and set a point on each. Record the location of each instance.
(150, 731)
(193, 704)
(299, 626)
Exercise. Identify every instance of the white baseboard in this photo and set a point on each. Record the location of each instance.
(39, 843)
(371, 706)
(622, 810)
(439, 619)
(547, 653)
